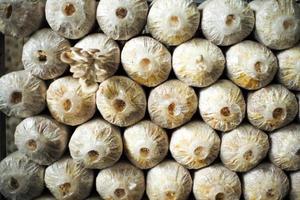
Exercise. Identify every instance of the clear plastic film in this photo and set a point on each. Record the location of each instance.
(195, 145)
(146, 61)
(146, 144)
(222, 105)
(121, 181)
(243, 148)
(96, 144)
(168, 180)
(295, 185)
(122, 19)
(42, 139)
(22, 95)
(216, 182)
(20, 178)
(174, 21)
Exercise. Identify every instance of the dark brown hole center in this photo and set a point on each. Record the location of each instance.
(120, 192)
(42, 56)
(229, 20)
(270, 193)
(220, 196)
(258, 67)
(225, 111)
(8, 11)
(144, 152)
(69, 9)
(67, 104)
(16, 97)
(119, 105)
(93, 155)
(171, 108)
(278, 113)
(31, 145)
(145, 62)
(65, 188)
(13, 183)
(288, 24)
(121, 13)
(248, 155)
(174, 20)
(200, 151)
(170, 195)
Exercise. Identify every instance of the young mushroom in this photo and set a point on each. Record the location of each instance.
(198, 62)
(67, 102)
(121, 101)
(22, 95)
(222, 105)
(174, 21)
(145, 144)
(285, 147)
(172, 104)
(42, 139)
(41, 54)
(121, 181)
(20, 178)
(226, 22)
(251, 65)
(96, 144)
(266, 182)
(68, 180)
(122, 19)
(146, 61)
(277, 22)
(195, 145)
(243, 148)
(216, 182)
(289, 68)
(295, 185)
(20, 18)
(168, 181)
(71, 19)
(271, 107)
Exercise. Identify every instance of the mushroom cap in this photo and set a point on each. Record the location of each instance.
(295, 185)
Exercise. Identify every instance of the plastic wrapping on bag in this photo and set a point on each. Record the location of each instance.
(41, 54)
(222, 105)
(285, 147)
(172, 104)
(174, 21)
(71, 19)
(121, 101)
(45, 197)
(145, 144)
(277, 22)
(226, 22)
(22, 95)
(271, 107)
(243, 148)
(67, 102)
(295, 185)
(195, 145)
(289, 68)
(96, 144)
(168, 180)
(122, 19)
(216, 182)
(198, 62)
(42, 139)
(20, 178)
(121, 181)
(146, 61)
(68, 180)
(20, 18)
(251, 65)
(265, 182)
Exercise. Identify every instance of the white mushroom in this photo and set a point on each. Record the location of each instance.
(251, 65)
(174, 21)
(216, 182)
(222, 105)
(167, 181)
(96, 144)
(20, 178)
(198, 62)
(243, 148)
(295, 185)
(146, 61)
(146, 144)
(121, 181)
(172, 104)
(67, 102)
(271, 107)
(72, 19)
(42, 139)
(122, 19)
(265, 182)
(195, 145)
(22, 95)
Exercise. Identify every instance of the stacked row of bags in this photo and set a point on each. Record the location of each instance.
(246, 144)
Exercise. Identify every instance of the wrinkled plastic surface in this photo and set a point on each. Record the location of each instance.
(42, 139)
(22, 95)
(146, 61)
(146, 144)
(97, 144)
(295, 185)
